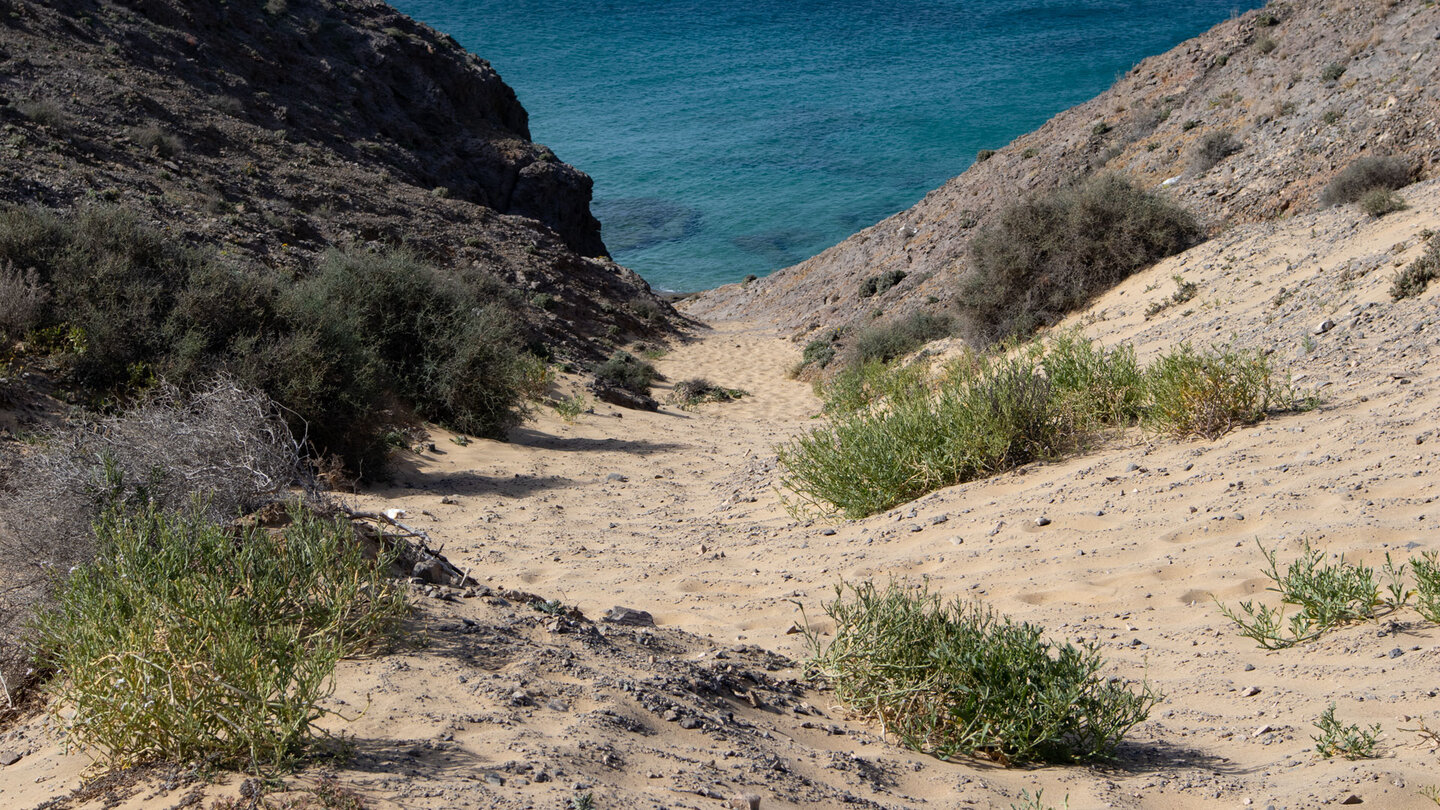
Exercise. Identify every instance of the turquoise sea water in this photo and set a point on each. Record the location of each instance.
(729, 137)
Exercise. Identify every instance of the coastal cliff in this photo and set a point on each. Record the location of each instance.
(275, 131)
(1302, 89)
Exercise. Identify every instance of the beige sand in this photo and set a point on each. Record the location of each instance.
(1143, 536)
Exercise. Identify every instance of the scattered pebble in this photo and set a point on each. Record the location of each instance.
(1042, 521)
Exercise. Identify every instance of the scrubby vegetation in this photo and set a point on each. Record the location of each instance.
(1364, 175)
(879, 285)
(896, 434)
(1417, 275)
(697, 391)
(1378, 202)
(114, 304)
(1334, 594)
(624, 370)
(956, 679)
(222, 439)
(1214, 148)
(185, 641)
(896, 338)
(1050, 254)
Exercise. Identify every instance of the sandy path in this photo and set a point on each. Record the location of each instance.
(676, 513)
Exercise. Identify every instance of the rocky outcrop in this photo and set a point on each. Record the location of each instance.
(275, 130)
(1303, 89)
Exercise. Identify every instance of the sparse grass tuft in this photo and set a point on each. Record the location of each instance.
(157, 140)
(1348, 741)
(1040, 258)
(1426, 569)
(956, 679)
(185, 641)
(1184, 291)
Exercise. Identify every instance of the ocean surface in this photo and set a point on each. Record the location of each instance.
(729, 137)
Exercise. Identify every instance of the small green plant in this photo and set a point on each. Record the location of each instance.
(623, 370)
(1214, 148)
(1417, 275)
(184, 641)
(1184, 291)
(1029, 152)
(1332, 72)
(1265, 45)
(819, 352)
(957, 679)
(1348, 741)
(1328, 595)
(1427, 585)
(1431, 792)
(582, 801)
(696, 391)
(749, 279)
(1266, 19)
(879, 285)
(570, 408)
(984, 155)
(1037, 802)
(1101, 128)
(543, 301)
(1378, 202)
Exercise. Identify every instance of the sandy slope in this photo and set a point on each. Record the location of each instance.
(676, 513)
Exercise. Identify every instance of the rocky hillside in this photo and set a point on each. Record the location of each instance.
(275, 130)
(1303, 88)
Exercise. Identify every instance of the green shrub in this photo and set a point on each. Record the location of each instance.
(1093, 387)
(1207, 393)
(984, 155)
(956, 679)
(879, 285)
(897, 338)
(892, 436)
(1329, 595)
(624, 370)
(1417, 275)
(1265, 45)
(1364, 175)
(819, 352)
(1378, 202)
(186, 642)
(347, 350)
(1332, 72)
(1047, 255)
(1214, 148)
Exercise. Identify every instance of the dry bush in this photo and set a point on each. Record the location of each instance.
(1366, 174)
(221, 443)
(22, 297)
